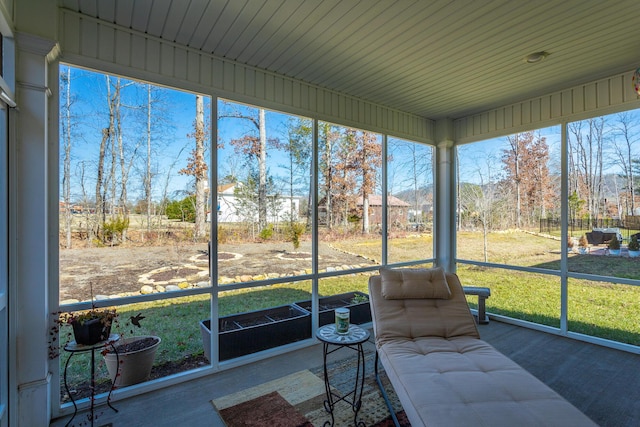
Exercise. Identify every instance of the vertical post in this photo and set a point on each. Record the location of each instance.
(564, 222)
(445, 197)
(34, 214)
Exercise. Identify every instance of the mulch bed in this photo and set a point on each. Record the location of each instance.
(173, 273)
(83, 390)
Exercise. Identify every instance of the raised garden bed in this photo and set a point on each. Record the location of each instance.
(356, 302)
(247, 333)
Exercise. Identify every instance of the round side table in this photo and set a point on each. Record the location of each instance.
(352, 340)
(73, 348)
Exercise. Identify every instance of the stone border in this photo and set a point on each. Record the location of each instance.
(283, 255)
(146, 279)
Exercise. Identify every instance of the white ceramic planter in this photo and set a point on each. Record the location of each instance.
(135, 366)
(634, 254)
(614, 252)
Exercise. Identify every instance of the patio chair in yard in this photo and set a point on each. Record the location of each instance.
(603, 236)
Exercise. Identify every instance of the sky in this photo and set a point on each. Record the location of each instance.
(174, 113)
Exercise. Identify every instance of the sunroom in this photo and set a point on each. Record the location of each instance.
(487, 137)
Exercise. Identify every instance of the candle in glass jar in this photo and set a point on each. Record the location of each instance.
(342, 320)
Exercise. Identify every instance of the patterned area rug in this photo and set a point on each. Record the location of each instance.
(297, 400)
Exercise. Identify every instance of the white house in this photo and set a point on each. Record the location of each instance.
(233, 207)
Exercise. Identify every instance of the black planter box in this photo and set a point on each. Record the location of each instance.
(359, 313)
(247, 333)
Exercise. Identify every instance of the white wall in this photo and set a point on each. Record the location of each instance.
(597, 98)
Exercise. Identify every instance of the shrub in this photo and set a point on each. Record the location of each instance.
(294, 231)
(267, 232)
(183, 210)
(634, 245)
(614, 243)
(583, 241)
(114, 229)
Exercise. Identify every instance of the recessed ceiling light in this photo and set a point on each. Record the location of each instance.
(536, 57)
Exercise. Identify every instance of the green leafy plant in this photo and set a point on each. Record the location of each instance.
(634, 245)
(358, 298)
(614, 243)
(106, 317)
(114, 229)
(294, 231)
(267, 232)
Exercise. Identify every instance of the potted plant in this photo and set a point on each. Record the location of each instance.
(583, 244)
(91, 326)
(634, 247)
(133, 358)
(570, 243)
(614, 246)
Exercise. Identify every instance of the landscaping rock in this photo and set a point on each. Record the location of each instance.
(146, 289)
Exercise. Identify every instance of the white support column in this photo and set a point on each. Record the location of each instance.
(445, 198)
(30, 200)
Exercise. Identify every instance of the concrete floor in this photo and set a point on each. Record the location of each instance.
(602, 382)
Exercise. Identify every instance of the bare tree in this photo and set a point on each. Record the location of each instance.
(625, 136)
(526, 165)
(147, 176)
(367, 160)
(480, 202)
(197, 167)
(254, 148)
(413, 163)
(66, 130)
(328, 136)
(587, 148)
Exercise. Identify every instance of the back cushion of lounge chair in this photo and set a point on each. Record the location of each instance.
(421, 317)
(414, 283)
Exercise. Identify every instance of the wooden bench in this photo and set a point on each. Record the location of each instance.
(483, 294)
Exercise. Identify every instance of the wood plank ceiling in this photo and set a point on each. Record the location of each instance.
(432, 58)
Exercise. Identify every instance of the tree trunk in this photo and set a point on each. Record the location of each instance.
(122, 203)
(365, 214)
(147, 176)
(200, 171)
(262, 188)
(66, 179)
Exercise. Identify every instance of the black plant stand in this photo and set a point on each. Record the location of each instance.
(353, 340)
(73, 348)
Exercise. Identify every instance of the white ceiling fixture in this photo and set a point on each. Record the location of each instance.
(536, 57)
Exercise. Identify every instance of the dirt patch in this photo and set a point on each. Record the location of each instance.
(117, 270)
(173, 273)
(83, 390)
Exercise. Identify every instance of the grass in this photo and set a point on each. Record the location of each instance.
(599, 309)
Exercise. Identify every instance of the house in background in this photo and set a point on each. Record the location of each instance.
(233, 207)
(398, 211)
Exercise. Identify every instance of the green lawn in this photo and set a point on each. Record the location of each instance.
(599, 309)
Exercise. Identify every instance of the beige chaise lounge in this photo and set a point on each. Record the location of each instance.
(442, 372)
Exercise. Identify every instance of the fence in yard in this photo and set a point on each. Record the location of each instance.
(549, 225)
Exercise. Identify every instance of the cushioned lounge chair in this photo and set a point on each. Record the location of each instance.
(443, 373)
